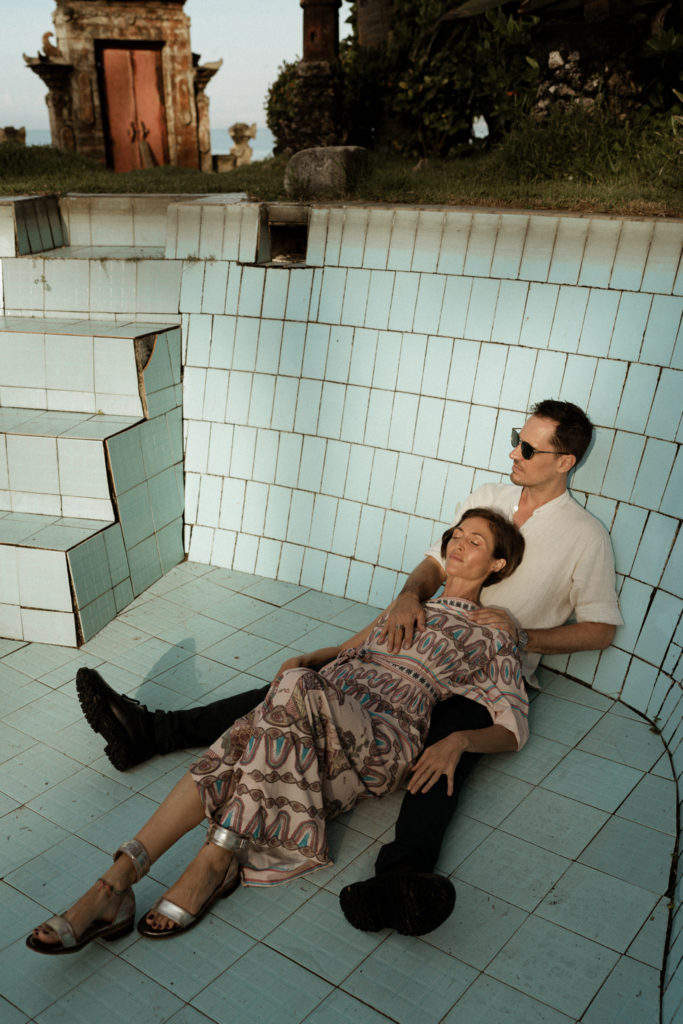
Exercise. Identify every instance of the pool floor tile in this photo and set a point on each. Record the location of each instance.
(550, 849)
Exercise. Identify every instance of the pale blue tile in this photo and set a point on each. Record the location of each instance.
(428, 304)
(251, 291)
(277, 512)
(555, 822)
(308, 406)
(338, 1008)
(673, 574)
(631, 255)
(360, 468)
(518, 885)
(661, 621)
(379, 299)
(275, 292)
(355, 414)
(654, 548)
(383, 476)
(403, 301)
(386, 360)
(299, 294)
(480, 431)
(428, 426)
(507, 324)
(403, 419)
(662, 328)
(402, 239)
(624, 460)
(632, 852)
(339, 354)
(538, 315)
(593, 780)
(538, 248)
(598, 906)
(246, 343)
(663, 258)
(380, 981)
(336, 462)
(653, 473)
(490, 373)
(313, 570)
(322, 523)
(452, 436)
(633, 601)
(631, 991)
(355, 297)
(455, 305)
(503, 1004)
(577, 381)
(412, 361)
(599, 322)
(509, 245)
(549, 370)
(300, 515)
(568, 250)
(569, 319)
(481, 244)
(363, 356)
(599, 252)
(625, 534)
(312, 459)
(463, 370)
(456, 231)
(271, 987)
(629, 328)
(346, 527)
(335, 225)
(605, 396)
(671, 502)
(332, 295)
(516, 380)
(354, 230)
(653, 805)
(332, 410)
(428, 236)
(479, 323)
(378, 233)
(315, 351)
(284, 404)
(292, 348)
(567, 976)
(562, 721)
(667, 407)
(437, 359)
(263, 451)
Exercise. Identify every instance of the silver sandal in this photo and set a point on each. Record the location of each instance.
(218, 836)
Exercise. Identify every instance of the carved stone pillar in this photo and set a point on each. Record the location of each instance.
(318, 100)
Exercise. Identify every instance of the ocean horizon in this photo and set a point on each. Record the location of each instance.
(221, 142)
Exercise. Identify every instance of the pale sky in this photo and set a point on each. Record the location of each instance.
(252, 36)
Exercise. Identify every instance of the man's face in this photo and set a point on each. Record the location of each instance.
(540, 469)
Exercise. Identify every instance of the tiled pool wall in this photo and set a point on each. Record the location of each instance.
(336, 411)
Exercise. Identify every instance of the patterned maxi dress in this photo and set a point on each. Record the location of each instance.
(321, 741)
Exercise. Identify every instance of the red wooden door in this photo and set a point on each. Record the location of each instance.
(134, 107)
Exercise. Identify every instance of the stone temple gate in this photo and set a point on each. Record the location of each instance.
(123, 84)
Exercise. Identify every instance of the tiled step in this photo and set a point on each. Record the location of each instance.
(53, 463)
(91, 501)
(61, 579)
(88, 366)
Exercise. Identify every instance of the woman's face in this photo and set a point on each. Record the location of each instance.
(469, 554)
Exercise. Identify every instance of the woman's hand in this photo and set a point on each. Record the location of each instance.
(406, 615)
(441, 758)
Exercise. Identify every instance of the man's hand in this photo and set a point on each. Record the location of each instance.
(439, 759)
(497, 618)
(406, 615)
(297, 661)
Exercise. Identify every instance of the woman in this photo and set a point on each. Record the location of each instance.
(319, 742)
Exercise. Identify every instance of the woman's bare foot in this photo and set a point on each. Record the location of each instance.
(99, 904)
(199, 881)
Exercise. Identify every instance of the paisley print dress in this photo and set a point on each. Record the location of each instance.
(322, 741)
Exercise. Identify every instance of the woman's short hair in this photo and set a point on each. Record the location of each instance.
(508, 542)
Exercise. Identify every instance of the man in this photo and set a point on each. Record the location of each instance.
(568, 569)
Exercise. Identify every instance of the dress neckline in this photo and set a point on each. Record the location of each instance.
(458, 602)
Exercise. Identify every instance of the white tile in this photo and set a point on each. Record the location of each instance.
(82, 470)
(43, 579)
(49, 627)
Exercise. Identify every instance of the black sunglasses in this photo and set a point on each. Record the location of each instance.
(527, 450)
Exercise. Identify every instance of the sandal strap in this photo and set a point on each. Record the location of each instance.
(138, 854)
(62, 929)
(226, 839)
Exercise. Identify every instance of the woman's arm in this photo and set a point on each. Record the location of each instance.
(442, 757)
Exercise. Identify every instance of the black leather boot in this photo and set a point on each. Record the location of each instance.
(126, 724)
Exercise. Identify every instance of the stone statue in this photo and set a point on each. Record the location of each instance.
(240, 133)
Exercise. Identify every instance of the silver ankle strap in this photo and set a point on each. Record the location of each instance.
(224, 838)
(138, 854)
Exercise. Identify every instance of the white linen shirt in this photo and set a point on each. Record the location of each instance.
(567, 569)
